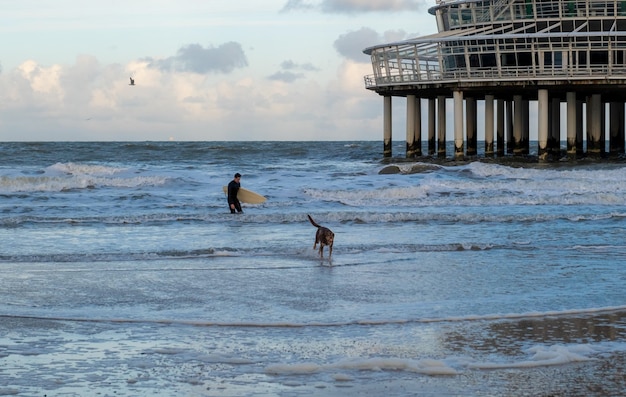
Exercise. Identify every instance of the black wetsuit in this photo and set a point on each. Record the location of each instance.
(233, 188)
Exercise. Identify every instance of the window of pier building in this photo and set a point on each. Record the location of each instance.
(462, 14)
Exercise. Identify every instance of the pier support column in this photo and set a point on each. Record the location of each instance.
(489, 125)
(500, 126)
(387, 127)
(518, 125)
(542, 116)
(418, 127)
(509, 127)
(579, 128)
(410, 125)
(458, 123)
(603, 127)
(432, 126)
(413, 127)
(471, 126)
(571, 123)
(525, 143)
(616, 128)
(595, 114)
(441, 126)
(554, 135)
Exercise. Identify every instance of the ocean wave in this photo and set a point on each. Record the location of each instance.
(534, 357)
(206, 253)
(84, 169)
(216, 215)
(441, 192)
(424, 366)
(118, 256)
(496, 317)
(479, 183)
(49, 183)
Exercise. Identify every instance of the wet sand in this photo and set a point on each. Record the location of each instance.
(42, 357)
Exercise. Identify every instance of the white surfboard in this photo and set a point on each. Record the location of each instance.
(247, 196)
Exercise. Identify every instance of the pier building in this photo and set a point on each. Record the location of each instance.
(510, 54)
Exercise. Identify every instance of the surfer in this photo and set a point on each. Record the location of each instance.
(132, 81)
(233, 189)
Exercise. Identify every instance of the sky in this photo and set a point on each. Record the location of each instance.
(204, 70)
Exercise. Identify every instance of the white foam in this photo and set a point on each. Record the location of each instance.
(427, 367)
(81, 178)
(84, 169)
(542, 356)
(478, 184)
(537, 356)
(341, 377)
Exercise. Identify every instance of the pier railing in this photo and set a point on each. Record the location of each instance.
(454, 14)
(596, 72)
(592, 55)
(509, 40)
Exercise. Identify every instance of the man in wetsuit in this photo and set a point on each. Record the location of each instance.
(233, 188)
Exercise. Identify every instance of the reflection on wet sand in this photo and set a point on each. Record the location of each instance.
(598, 328)
(510, 336)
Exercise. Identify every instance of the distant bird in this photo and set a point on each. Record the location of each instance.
(132, 81)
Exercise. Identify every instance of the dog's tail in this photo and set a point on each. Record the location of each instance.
(312, 221)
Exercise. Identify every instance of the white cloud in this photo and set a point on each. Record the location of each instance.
(194, 58)
(41, 79)
(203, 70)
(91, 101)
(354, 6)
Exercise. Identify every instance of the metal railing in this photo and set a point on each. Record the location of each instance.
(556, 39)
(461, 14)
(596, 72)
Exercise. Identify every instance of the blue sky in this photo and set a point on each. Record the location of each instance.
(204, 69)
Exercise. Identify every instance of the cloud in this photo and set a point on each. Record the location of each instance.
(351, 45)
(289, 64)
(391, 36)
(194, 58)
(287, 77)
(297, 5)
(91, 100)
(353, 6)
(288, 73)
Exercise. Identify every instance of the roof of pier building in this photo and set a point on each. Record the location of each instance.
(493, 46)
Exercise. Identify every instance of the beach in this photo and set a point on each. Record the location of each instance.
(124, 273)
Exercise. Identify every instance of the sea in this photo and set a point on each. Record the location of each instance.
(123, 272)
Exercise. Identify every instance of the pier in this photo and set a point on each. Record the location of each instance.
(510, 56)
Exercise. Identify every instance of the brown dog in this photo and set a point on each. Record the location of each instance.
(324, 236)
